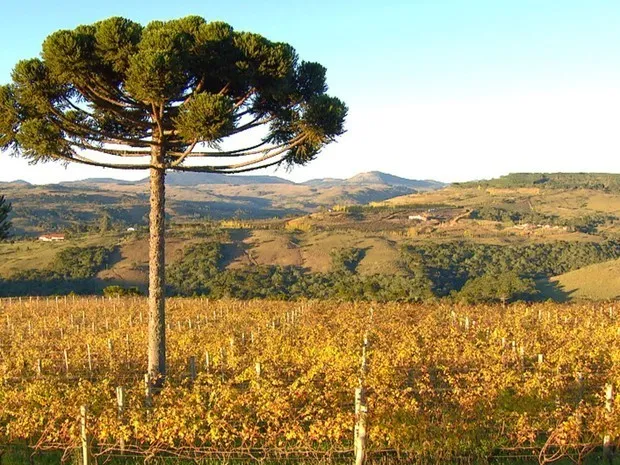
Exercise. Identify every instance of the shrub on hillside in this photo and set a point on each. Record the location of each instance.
(81, 262)
(491, 288)
(119, 291)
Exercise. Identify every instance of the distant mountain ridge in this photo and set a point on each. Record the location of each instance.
(98, 181)
(371, 178)
(378, 178)
(196, 179)
(17, 182)
(194, 195)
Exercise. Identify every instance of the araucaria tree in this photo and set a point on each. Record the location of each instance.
(186, 94)
(5, 224)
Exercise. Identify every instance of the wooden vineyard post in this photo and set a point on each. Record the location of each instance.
(120, 402)
(148, 390)
(90, 359)
(66, 358)
(607, 446)
(361, 410)
(84, 435)
(111, 352)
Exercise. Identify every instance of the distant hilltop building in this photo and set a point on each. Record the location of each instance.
(52, 237)
(131, 229)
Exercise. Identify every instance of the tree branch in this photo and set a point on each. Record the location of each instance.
(254, 168)
(230, 153)
(224, 89)
(120, 114)
(96, 95)
(85, 161)
(184, 155)
(243, 99)
(205, 169)
(252, 124)
(86, 132)
(243, 152)
(244, 164)
(111, 92)
(196, 90)
(158, 118)
(115, 152)
(267, 156)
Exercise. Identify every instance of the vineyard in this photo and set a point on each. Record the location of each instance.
(260, 380)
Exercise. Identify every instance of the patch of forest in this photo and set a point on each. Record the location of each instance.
(458, 270)
(597, 181)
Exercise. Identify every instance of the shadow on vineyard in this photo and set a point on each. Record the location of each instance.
(553, 290)
(24, 455)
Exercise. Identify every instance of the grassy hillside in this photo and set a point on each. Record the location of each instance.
(573, 208)
(241, 248)
(563, 203)
(600, 281)
(380, 254)
(27, 255)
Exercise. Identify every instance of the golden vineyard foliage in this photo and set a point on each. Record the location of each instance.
(280, 376)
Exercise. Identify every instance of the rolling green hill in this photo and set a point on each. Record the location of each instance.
(574, 207)
(597, 181)
(600, 281)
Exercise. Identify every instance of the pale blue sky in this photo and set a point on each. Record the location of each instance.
(449, 90)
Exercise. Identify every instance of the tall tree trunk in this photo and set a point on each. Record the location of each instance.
(157, 305)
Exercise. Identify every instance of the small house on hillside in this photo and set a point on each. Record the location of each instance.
(52, 237)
